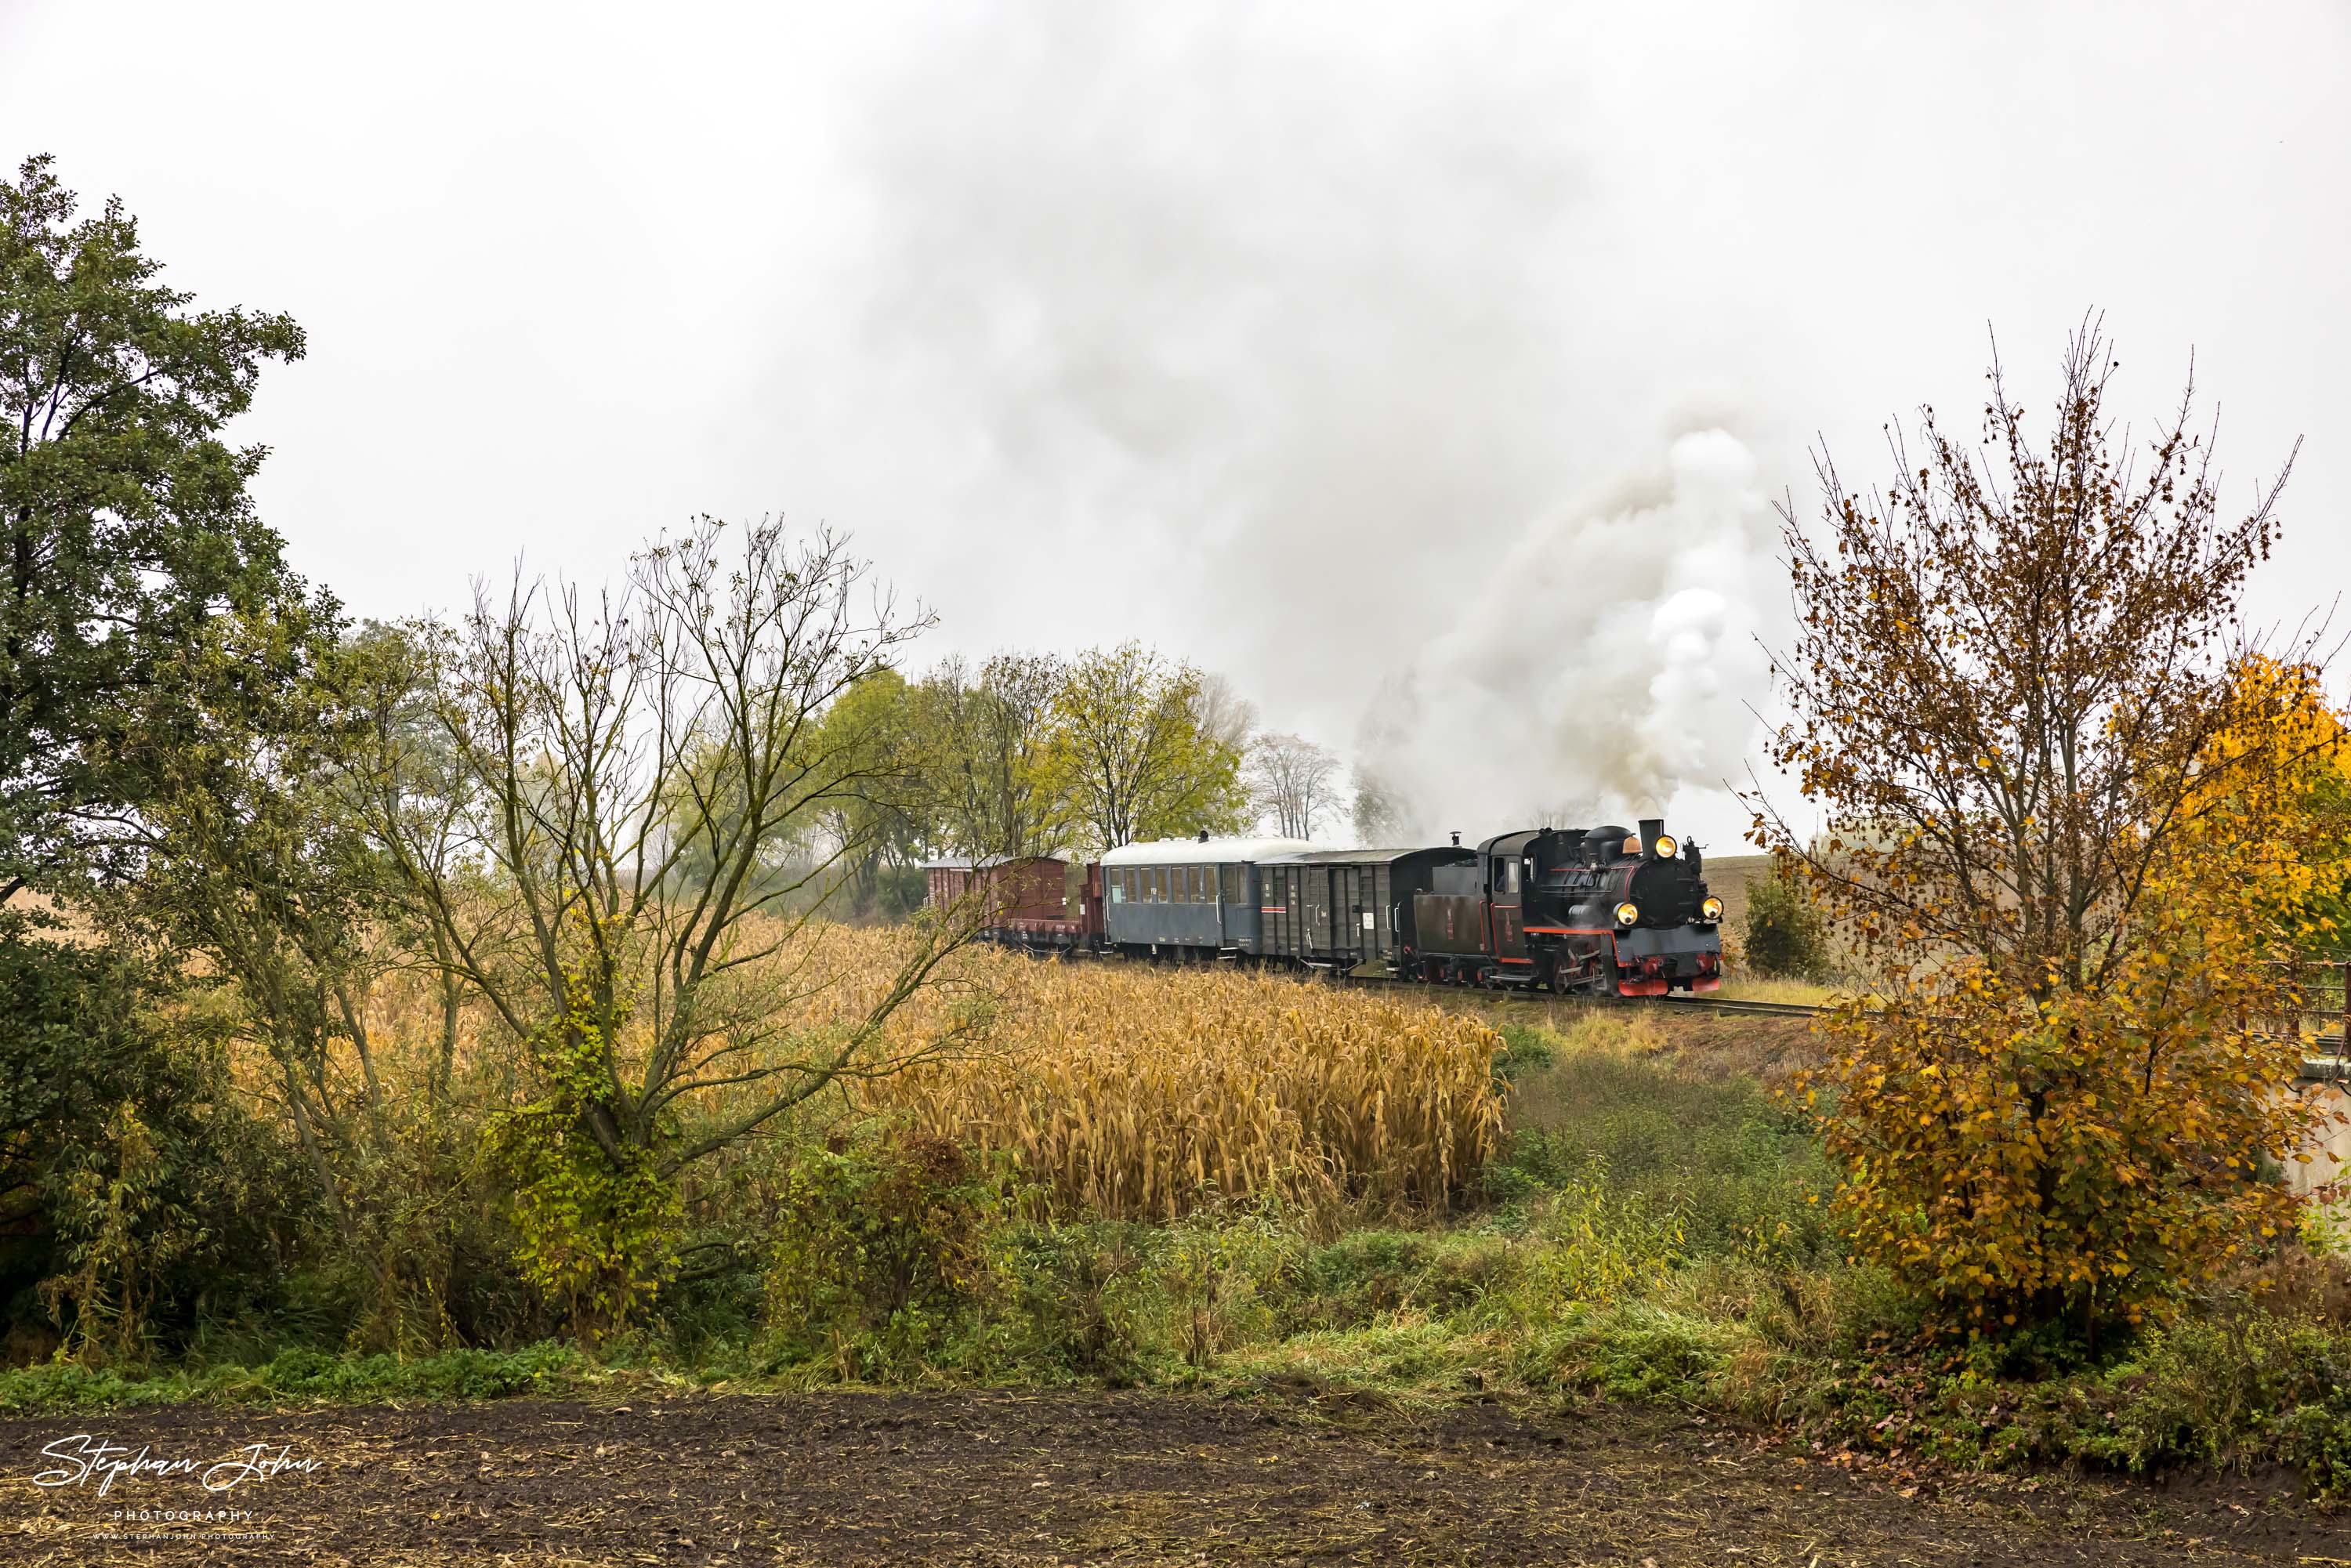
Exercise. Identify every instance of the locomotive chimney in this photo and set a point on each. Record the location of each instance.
(1652, 830)
(1456, 838)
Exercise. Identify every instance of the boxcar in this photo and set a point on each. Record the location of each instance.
(1032, 887)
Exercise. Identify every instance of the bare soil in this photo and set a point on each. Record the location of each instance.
(1084, 1477)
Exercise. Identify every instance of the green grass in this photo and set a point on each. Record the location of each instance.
(302, 1375)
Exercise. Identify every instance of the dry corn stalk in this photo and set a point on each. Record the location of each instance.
(1140, 1093)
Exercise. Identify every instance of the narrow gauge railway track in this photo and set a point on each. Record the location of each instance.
(1683, 1001)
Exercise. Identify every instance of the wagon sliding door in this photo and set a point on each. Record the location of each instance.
(1280, 909)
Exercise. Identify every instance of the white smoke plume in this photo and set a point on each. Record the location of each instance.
(1606, 668)
(1286, 334)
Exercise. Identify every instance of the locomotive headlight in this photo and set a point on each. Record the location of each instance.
(1711, 909)
(1666, 848)
(1627, 913)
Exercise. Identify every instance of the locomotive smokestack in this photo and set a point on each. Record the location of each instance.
(1652, 830)
(1456, 838)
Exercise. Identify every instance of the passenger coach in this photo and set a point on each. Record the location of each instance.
(1336, 909)
(1187, 898)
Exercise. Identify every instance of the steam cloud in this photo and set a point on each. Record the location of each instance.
(1285, 336)
(1606, 667)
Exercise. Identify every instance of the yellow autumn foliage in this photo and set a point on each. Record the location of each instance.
(2025, 1150)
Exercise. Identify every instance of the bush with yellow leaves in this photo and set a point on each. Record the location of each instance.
(2065, 837)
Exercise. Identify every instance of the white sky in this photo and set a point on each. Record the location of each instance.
(1259, 334)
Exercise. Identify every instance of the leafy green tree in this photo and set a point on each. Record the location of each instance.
(128, 527)
(1126, 755)
(253, 856)
(882, 818)
(979, 740)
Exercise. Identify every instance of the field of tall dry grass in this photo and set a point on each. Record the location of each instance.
(1139, 1093)
(1130, 1091)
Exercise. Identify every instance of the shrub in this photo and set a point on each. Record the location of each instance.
(136, 1189)
(880, 1252)
(1784, 935)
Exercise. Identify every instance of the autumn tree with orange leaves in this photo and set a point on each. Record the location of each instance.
(2055, 780)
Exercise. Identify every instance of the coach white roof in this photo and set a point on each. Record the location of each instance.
(1197, 852)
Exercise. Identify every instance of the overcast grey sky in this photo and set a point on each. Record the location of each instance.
(1284, 337)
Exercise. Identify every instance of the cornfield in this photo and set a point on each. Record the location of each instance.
(1141, 1094)
(1134, 1092)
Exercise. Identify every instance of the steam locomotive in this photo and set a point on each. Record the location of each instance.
(1607, 911)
